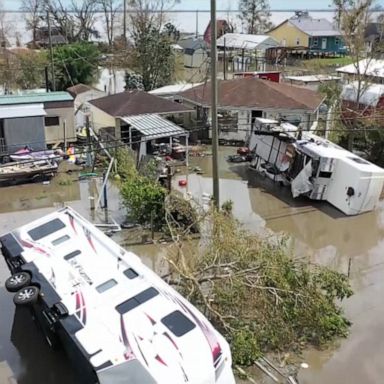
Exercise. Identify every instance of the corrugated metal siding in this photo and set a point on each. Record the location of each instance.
(24, 131)
(154, 126)
(35, 98)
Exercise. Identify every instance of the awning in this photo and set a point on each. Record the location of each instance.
(154, 126)
(27, 110)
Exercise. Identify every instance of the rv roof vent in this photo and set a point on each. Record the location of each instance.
(358, 160)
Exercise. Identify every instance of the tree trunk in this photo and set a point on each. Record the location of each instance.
(351, 135)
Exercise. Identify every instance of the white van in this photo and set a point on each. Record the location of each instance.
(118, 320)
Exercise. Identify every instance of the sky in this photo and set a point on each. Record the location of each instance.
(223, 4)
(187, 22)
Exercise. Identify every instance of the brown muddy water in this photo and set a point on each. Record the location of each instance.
(319, 232)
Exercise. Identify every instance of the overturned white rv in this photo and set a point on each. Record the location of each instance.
(119, 321)
(316, 168)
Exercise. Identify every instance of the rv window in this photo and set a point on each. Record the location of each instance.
(325, 175)
(60, 240)
(46, 229)
(130, 273)
(178, 323)
(358, 160)
(105, 286)
(135, 301)
(71, 255)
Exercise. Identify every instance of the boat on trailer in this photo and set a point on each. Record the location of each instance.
(27, 171)
(28, 153)
(117, 319)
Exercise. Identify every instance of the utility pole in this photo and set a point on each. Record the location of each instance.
(214, 92)
(225, 60)
(197, 24)
(51, 48)
(125, 23)
(89, 143)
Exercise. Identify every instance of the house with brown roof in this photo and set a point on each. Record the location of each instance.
(112, 111)
(82, 94)
(241, 101)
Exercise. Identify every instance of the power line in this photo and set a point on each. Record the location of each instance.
(200, 126)
(117, 143)
(133, 11)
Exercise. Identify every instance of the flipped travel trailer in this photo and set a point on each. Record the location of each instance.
(315, 167)
(269, 144)
(330, 173)
(118, 320)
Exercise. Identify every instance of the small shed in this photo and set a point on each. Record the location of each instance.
(145, 130)
(21, 125)
(59, 117)
(83, 93)
(311, 81)
(245, 49)
(195, 52)
(239, 41)
(370, 69)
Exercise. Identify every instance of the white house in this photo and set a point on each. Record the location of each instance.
(243, 100)
(371, 70)
(82, 94)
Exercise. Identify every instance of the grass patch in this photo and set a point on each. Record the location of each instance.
(329, 62)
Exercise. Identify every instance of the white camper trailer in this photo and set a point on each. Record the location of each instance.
(315, 167)
(269, 143)
(118, 320)
(348, 182)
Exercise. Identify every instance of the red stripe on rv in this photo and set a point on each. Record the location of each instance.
(160, 360)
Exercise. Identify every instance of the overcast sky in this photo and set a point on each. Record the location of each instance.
(223, 4)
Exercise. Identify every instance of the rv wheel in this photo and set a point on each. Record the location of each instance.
(26, 296)
(17, 281)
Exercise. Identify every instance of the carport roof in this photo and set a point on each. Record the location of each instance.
(154, 126)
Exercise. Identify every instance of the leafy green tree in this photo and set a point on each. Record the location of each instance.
(75, 63)
(172, 32)
(255, 16)
(254, 291)
(133, 81)
(31, 69)
(144, 200)
(152, 55)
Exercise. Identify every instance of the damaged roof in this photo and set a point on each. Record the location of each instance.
(136, 102)
(252, 93)
(80, 88)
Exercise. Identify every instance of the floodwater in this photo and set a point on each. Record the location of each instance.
(319, 232)
(323, 235)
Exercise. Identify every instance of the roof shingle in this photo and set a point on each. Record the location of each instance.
(136, 102)
(315, 27)
(80, 88)
(257, 94)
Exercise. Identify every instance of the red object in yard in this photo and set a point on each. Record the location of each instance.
(182, 183)
(273, 76)
(168, 158)
(243, 151)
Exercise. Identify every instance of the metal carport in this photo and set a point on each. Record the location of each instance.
(152, 127)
